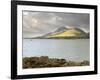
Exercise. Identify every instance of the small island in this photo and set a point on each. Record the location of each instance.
(45, 61)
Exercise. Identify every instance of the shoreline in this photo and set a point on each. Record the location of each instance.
(58, 38)
(45, 61)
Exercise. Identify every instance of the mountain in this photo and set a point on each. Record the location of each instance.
(58, 30)
(61, 29)
(66, 33)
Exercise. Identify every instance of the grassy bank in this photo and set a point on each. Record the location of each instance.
(45, 61)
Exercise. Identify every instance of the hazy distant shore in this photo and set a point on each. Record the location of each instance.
(45, 61)
(57, 38)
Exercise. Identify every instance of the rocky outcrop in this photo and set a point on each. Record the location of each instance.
(45, 61)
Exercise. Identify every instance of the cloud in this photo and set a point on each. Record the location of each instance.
(43, 22)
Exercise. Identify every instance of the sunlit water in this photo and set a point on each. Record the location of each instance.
(75, 50)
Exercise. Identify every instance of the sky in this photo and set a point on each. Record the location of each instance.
(41, 23)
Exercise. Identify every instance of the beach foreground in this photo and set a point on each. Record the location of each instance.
(45, 61)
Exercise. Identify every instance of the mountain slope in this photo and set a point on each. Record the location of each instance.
(68, 33)
(57, 31)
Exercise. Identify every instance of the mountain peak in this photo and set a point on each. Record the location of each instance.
(61, 29)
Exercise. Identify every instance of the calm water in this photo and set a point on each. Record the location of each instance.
(68, 49)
